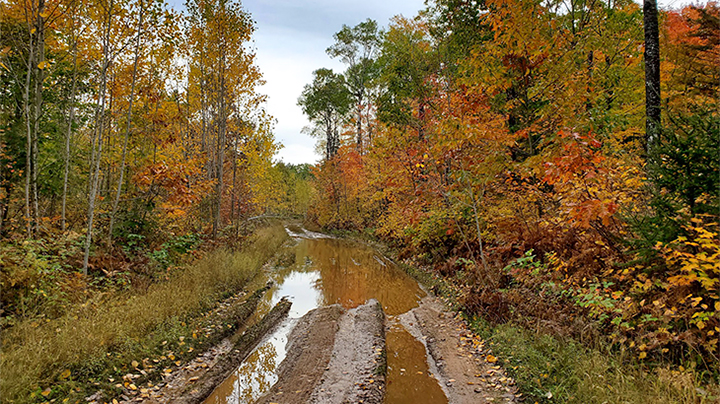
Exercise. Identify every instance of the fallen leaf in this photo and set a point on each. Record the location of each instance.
(491, 359)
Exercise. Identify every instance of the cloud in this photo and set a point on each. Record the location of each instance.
(297, 154)
(290, 40)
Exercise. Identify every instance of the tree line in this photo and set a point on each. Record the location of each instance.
(121, 117)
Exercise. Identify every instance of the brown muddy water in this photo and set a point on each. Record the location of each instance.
(321, 271)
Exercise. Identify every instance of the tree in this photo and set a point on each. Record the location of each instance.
(326, 101)
(128, 123)
(358, 47)
(652, 74)
(222, 71)
(410, 65)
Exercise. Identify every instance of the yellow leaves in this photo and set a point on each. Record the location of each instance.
(134, 364)
(65, 374)
(491, 359)
(42, 65)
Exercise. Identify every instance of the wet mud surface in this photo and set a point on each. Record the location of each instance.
(403, 347)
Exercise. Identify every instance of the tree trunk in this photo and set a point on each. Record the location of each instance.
(222, 128)
(28, 128)
(359, 125)
(97, 138)
(68, 133)
(128, 123)
(652, 74)
(477, 227)
(38, 106)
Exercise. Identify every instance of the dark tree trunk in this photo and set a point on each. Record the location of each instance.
(652, 74)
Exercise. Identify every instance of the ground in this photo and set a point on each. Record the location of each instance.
(465, 368)
(338, 356)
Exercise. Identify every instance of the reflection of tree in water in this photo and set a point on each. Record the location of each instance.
(349, 274)
(352, 274)
(255, 376)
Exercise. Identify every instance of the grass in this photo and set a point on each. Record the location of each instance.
(38, 355)
(550, 369)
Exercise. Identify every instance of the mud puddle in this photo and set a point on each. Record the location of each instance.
(320, 271)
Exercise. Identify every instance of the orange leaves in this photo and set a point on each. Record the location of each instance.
(588, 183)
(180, 180)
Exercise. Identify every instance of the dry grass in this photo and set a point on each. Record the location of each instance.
(35, 354)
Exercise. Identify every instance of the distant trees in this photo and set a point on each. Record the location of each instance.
(326, 101)
(358, 47)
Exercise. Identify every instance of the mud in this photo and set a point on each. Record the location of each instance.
(356, 372)
(465, 368)
(334, 356)
(201, 387)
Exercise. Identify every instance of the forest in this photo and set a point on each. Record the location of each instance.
(505, 145)
(554, 165)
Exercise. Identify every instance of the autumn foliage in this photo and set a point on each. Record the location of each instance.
(509, 158)
(129, 131)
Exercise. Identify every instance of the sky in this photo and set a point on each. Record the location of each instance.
(290, 41)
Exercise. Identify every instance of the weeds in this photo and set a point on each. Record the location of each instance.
(551, 369)
(38, 353)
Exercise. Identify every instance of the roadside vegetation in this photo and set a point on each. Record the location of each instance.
(557, 164)
(133, 186)
(94, 344)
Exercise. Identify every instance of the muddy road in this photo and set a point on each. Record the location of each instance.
(359, 330)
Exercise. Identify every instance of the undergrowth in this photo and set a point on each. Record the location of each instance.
(551, 368)
(38, 353)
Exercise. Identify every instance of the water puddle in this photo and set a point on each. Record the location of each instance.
(326, 271)
(407, 379)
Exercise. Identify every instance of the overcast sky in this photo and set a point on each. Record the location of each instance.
(290, 42)
(291, 39)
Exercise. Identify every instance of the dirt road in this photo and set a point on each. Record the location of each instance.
(334, 356)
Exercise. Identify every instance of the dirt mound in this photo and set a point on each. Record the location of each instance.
(333, 356)
(459, 361)
(356, 372)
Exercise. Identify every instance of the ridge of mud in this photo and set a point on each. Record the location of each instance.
(309, 348)
(356, 372)
(240, 350)
(457, 360)
(334, 356)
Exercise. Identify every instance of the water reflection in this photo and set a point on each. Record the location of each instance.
(408, 379)
(352, 274)
(324, 271)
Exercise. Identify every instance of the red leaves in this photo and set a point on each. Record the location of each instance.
(583, 180)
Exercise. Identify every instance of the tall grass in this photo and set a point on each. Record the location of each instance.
(35, 354)
(551, 370)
